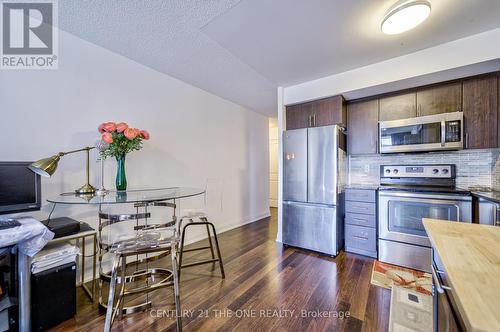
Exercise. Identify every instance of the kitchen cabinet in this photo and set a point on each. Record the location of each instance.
(445, 314)
(443, 98)
(480, 106)
(329, 111)
(323, 112)
(362, 127)
(361, 221)
(401, 106)
(446, 321)
(298, 116)
(487, 211)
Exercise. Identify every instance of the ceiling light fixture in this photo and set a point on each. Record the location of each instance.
(405, 15)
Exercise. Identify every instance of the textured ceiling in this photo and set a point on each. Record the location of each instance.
(166, 36)
(242, 50)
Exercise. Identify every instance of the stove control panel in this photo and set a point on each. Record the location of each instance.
(418, 171)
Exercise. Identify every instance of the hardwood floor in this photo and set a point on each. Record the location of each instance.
(267, 287)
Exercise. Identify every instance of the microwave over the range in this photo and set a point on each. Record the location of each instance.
(425, 133)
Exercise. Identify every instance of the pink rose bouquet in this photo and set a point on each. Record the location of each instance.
(121, 138)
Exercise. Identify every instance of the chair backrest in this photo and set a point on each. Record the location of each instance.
(164, 204)
(106, 219)
(137, 229)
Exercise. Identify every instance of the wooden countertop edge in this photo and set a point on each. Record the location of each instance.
(457, 300)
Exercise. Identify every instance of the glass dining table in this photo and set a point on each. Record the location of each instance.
(128, 196)
(133, 196)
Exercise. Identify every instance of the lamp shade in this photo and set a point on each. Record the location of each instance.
(45, 167)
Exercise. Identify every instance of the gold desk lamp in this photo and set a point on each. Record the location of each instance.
(47, 166)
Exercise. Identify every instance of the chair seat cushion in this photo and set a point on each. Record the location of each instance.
(124, 231)
(193, 213)
(150, 239)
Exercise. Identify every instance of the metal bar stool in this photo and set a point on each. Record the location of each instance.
(199, 218)
(146, 239)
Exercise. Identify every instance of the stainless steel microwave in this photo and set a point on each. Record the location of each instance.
(425, 133)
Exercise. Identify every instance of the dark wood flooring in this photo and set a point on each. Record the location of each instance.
(267, 288)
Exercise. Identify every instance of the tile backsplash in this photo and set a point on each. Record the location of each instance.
(474, 167)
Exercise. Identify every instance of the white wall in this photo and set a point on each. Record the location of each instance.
(195, 135)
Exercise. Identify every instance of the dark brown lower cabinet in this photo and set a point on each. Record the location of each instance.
(480, 105)
(446, 321)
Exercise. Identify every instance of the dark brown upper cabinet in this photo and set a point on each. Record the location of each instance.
(402, 106)
(362, 127)
(480, 106)
(329, 111)
(323, 112)
(298, 116)
(443, 98)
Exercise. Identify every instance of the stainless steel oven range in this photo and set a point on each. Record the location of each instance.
(409, 193)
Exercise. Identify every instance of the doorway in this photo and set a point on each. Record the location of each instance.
(273, 162)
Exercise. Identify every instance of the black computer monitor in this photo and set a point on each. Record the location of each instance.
(20, 188)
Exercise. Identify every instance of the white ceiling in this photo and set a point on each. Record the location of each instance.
(242, 50)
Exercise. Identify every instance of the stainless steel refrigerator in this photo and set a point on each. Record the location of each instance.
(314, 162)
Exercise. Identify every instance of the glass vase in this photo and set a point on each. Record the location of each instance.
(121, 178)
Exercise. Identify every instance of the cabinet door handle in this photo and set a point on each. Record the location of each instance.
(439, 287)
(309, 121)
(314, 120)
(359, 219)
(360, 238)
(466, 140)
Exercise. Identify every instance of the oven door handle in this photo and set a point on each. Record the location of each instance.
(458, 211)
(419, 196)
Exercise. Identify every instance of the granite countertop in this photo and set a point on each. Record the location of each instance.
(493, 196)
(470, 254)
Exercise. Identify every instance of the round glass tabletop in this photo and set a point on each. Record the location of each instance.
(128, 196)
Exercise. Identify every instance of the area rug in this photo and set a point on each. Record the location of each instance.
(386, 275)
(411, 311)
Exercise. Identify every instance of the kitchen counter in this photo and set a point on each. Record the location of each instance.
(470, 254)
(493, 196)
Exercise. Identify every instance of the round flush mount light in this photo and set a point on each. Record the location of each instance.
(405, 15)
